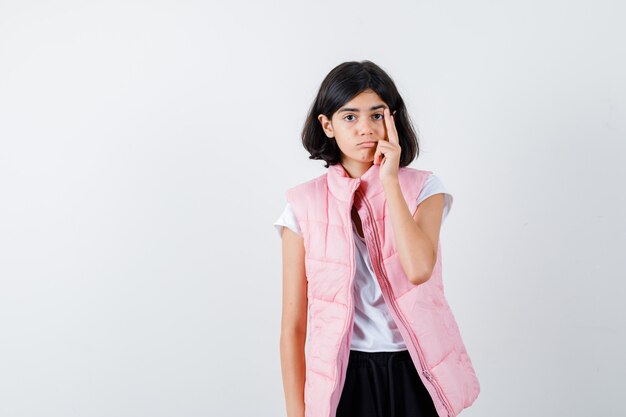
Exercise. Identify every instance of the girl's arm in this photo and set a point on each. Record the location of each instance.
(294, 322)
(417, 235)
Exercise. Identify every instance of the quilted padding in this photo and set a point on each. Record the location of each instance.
(322, 207)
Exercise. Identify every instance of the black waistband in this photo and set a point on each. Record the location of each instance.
(359, 358)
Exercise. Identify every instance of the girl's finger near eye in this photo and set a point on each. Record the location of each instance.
(388, 124)
(391, 130)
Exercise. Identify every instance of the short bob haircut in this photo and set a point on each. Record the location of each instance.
(343, 83)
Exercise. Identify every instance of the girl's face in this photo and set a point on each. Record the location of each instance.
(357, 127)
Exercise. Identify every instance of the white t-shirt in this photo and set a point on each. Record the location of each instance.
(374, 329)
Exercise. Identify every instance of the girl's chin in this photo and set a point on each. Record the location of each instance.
(362, 159)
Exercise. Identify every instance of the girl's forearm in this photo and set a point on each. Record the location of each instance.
(414, 247)
(293, 366)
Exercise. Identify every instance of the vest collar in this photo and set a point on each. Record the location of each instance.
(342, 185)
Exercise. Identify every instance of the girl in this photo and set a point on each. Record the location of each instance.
(378, 348)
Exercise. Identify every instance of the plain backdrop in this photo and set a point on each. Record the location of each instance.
(145, 148)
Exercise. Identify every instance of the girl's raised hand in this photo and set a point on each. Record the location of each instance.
(388, 151)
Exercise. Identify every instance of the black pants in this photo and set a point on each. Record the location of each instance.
(384, 384)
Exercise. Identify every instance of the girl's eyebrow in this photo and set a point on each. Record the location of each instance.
(378, 106)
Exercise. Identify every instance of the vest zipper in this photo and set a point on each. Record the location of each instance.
(387, 286)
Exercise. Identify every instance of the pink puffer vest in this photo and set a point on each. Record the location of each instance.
(322, 207)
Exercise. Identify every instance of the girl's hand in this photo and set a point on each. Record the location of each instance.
(388, 151)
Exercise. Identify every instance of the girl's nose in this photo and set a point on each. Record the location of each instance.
(366, 127)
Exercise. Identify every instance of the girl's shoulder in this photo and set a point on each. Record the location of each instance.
(413, 179)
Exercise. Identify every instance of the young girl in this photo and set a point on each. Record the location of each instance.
(361, 256)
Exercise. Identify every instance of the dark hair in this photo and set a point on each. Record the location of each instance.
(343, 83)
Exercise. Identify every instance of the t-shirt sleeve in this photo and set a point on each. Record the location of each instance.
(287, 219)
(434, 185)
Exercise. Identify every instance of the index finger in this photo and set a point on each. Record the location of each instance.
(390, 124)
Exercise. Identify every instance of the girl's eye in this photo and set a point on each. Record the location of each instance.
(377, 116)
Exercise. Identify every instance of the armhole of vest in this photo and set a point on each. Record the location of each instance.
(294, 209)
(425, 174)
(420, 175)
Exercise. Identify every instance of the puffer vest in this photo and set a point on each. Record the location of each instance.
(323, 207)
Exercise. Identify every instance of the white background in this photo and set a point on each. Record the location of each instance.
(145, 147)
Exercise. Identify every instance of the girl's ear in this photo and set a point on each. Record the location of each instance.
(326, 125)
